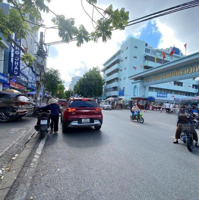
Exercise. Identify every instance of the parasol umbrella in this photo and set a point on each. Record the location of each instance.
(196, 98)
(110, 99)
(150, 98)
(13, 91)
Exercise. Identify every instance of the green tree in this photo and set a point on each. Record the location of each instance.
(52, 80)
(69, 93)
(91, 84)
(60, 91)
(18, 22)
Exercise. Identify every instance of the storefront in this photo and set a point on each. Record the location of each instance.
(17, 86)
(3, 81)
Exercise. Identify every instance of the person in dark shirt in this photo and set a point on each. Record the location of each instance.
(54, 115)
(184, 119)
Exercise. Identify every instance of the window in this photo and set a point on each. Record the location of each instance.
(153, 52)
(135, 90)
(178, 83)
(126, 48)
(134, 56)
(147, 50)
(135, 47)
(80, 103)
(195, 86)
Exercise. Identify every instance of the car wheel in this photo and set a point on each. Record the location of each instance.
(64, 128)
(97, 128)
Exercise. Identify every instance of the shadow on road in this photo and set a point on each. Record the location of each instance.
(52, 139)
(85, 138)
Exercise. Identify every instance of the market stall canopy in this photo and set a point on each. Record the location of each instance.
(150, 98)
(13, 91)
(196, 98)
(110, 99)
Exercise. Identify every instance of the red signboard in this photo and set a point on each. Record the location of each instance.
(16, 85)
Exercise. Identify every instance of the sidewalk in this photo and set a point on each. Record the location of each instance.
(13, 137)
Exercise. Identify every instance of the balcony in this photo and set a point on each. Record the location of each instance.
(113, 76)
(150, 64)
(111, 85)
(112, 93)
(114, 67)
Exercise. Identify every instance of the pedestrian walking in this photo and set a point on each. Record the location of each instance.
(167, 107)
(54, 115)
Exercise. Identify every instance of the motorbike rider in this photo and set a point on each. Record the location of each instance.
(184, 119)
(135, 108)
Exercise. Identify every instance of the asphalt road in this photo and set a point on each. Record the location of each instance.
(123, 161)
(11, 131)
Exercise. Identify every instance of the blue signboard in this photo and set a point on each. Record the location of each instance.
(3, 78)
(121, 93)
(6, 85)
(162, 95)
(16, 57)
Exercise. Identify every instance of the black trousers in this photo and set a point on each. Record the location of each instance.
(54, 122)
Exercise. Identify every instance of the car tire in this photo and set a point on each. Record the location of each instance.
(64, 128)
(97, 128)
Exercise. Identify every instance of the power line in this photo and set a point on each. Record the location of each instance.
(164, 12)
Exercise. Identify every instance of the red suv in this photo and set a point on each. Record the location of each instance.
(81, 112)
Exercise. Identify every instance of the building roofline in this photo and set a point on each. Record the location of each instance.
(171, 65)
(112, 57)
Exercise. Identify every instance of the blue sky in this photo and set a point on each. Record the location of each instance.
(151, 35)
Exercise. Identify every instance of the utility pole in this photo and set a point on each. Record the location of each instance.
(40, 67)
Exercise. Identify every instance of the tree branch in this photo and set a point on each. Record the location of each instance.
(88, 14)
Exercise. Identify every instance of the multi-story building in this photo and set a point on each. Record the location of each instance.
(73, 82)
(4, 52)
(25, 79)
(136, 56)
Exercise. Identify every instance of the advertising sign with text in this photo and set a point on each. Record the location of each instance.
(16, 57)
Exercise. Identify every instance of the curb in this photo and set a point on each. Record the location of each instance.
(15, 166)
(16, 147)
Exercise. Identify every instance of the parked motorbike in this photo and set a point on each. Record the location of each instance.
(43, 122)
(187, 135)
(195, 119)
(138, 116)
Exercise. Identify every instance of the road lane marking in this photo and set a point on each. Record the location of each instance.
(133, 124)
(26, 182)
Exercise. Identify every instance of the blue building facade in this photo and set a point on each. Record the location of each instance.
(134, 57)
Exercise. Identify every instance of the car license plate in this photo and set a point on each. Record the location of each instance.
(85, 120)
(43, 122)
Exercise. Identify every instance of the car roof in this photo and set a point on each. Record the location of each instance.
(81, 99)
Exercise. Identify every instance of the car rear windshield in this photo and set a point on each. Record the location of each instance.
(79, 103)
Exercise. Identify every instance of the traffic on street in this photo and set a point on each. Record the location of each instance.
(123, 160)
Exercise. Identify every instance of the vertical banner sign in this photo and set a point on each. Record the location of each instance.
(16, 57)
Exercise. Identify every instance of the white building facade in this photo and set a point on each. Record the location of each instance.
(134, 57)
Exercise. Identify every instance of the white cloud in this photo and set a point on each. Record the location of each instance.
(176, 29)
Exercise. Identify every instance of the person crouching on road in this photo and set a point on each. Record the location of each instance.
(184, 119)
(54, 115)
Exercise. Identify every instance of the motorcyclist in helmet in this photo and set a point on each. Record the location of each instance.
(184, 118)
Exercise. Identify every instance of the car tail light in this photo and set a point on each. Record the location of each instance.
(98, 109)
(71, 109)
